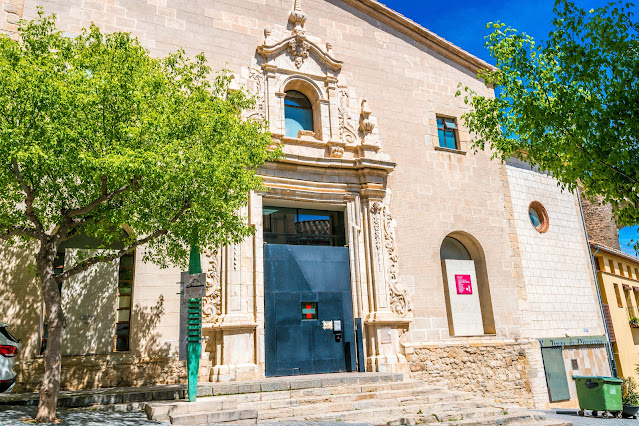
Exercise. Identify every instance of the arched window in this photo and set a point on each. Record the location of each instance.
(298, 113)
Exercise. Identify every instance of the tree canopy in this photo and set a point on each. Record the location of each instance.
(95, 133)
(568, 105)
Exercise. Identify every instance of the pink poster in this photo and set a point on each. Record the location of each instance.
(464, 284)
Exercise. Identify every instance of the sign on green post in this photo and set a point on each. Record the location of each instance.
(194, 324)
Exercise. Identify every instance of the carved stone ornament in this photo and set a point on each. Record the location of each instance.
(212, 302)
(346, 132)
(256, 74)
(368, 126)
(400, 302)
(297, 44)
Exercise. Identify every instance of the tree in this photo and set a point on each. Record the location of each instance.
(95, 134)
(570, 105)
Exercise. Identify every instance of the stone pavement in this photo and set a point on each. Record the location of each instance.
(20, 416)
(587, 420)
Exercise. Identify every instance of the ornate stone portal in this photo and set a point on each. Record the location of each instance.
(337, 166)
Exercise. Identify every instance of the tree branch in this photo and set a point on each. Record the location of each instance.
(29, 199)
(19, 231)
(98, 259)
(105, 196)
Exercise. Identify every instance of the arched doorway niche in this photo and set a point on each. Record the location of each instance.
(462, 246)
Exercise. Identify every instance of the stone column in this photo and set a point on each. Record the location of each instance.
(234, 328)
(390, 305)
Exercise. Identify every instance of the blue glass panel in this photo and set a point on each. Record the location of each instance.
(450, 140)
(296, 119)
(297, 99)
(534, 217)
(440, 123)
(442, 139)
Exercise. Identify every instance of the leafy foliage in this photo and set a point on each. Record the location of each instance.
(568, 105)
(96, 134)
(629, 393)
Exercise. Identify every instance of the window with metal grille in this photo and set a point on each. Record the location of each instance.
(123, 310)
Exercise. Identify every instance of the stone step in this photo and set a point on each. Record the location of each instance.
(379, 414)
(426, 398)
(298, 382)
(503, 419)
(162, 411)
(283, 402)
(216, 417)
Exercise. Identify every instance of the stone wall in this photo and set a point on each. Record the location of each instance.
(508, 371)
(556, 262)
(105, 371)
(10, 15)
(602, 228)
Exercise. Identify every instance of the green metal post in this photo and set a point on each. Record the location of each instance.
(194, 324)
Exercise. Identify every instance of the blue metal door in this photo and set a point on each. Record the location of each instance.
(307, 287)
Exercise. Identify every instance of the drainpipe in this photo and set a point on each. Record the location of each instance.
(611, 359)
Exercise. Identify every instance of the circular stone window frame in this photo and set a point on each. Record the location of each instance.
(543, 216)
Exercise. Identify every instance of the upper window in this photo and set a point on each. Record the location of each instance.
(447, 132)
(298, 113)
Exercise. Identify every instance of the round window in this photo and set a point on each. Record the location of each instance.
(538, 216)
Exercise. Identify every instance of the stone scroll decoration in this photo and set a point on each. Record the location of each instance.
(212, 302)
(297, 44)
(256, 76)
(384, 231)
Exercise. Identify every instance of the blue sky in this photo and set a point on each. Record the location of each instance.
(463, 23)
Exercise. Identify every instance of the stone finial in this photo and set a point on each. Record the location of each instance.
(297, 17)
(366, 125)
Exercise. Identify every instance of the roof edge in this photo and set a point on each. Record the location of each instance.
(420, 34)
(614, 251)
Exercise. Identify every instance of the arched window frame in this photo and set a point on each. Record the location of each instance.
(476, 253)
(319, 105)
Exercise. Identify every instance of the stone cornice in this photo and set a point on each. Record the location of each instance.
(273, 50)
(358, 163)
(420, 34)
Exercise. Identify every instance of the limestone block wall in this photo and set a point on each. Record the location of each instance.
(10, 15)
(561, 294)
(509, 371)
(407, 84)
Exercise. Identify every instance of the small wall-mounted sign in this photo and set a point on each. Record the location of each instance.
(195, 286)
(464, 284)
(327, 325)
(309, 310)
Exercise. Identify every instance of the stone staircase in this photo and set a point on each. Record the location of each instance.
(376, 398)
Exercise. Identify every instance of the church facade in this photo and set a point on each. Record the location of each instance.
(383, 243)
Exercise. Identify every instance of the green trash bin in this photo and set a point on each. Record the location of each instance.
(599, 394)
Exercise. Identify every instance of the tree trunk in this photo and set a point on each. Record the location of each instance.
(55, 325)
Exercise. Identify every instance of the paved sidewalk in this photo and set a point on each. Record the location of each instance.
(14, 416)
(21, 416)
(587, 420)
